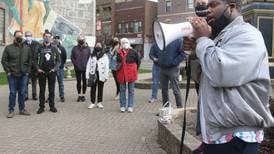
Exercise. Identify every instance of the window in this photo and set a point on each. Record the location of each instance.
(139, 26)
(119, 28)
(190, 4)
(122, 28)
(130, 27)
(135, 27)
(2, 26)
(266, 27)
(168, 6)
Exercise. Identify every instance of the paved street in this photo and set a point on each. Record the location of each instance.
(76, 129)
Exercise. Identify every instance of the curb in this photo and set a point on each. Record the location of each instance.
(146, 84)
(169, 137)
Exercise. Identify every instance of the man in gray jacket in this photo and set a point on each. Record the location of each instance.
(235, 83)
(16, 61)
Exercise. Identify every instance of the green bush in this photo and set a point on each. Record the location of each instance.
(141, 70)
(3, 78)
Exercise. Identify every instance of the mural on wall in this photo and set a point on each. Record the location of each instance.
(36, 16)
(27, 15)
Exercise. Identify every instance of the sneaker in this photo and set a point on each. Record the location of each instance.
(130, 109)
(83, 98)
(26, 98)
(122, 109)
(91, 106)
(100, 105)
(24, 112)
(152, 100)
(79, 98)
(62, 99)
(53, 109)
(116, 97)
(34, 98)
(40, 110)
(10, 115)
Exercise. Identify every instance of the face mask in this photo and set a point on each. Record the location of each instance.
(47, 40)
(19, 39)
(201, 10)
(97, 49)
(81, 42)
(126, 46)
(219, 24)
(114, 43)
(28, 39)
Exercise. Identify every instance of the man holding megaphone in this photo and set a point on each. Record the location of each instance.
(234, 83)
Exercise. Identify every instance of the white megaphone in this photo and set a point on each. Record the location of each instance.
(166, 33)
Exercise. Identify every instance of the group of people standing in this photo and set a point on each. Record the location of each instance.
(25, 60)
(121, 59)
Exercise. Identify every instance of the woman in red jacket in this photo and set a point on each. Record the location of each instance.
(128, 62)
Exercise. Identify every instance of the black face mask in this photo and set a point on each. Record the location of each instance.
(81, 42)
(219, 24)
(114, 43)
(201, 10)
(19, 39)
(97, 49)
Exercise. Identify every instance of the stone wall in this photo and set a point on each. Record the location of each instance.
(81, 15)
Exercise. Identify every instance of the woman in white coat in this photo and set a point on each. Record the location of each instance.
(98, 64)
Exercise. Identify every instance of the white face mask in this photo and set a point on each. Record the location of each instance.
(126, 46)
(28, 39)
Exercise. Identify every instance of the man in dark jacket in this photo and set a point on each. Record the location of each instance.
(16, 61)
(169, 61)
(32, 44)
(154, 55)
(79, 57)
(47, 62)
(60, 72)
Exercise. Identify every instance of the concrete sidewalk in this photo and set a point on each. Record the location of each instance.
(76, 129)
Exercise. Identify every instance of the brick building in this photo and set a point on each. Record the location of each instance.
(175, 11)
(104, 20)
(133, 19)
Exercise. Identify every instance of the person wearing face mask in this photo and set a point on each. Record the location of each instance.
(128, 62)
(98, 64)
(235, 82)
(32, 44)
(79, 58)
(47, 61)
(60, 73)
(17, 61)
(115, 47)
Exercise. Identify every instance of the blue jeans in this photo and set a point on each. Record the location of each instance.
(155, 80)
(17, 84)
(60, 79)
(123, 98)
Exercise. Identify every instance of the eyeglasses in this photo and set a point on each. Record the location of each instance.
(27, 35)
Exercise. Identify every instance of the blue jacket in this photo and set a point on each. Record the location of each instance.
(154, 53)
(172, 56)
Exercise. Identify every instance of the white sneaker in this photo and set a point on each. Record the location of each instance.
(100, 105)
(152, 100)
(130, 109)
(91, 106)
(116, 97)
(122, 109)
